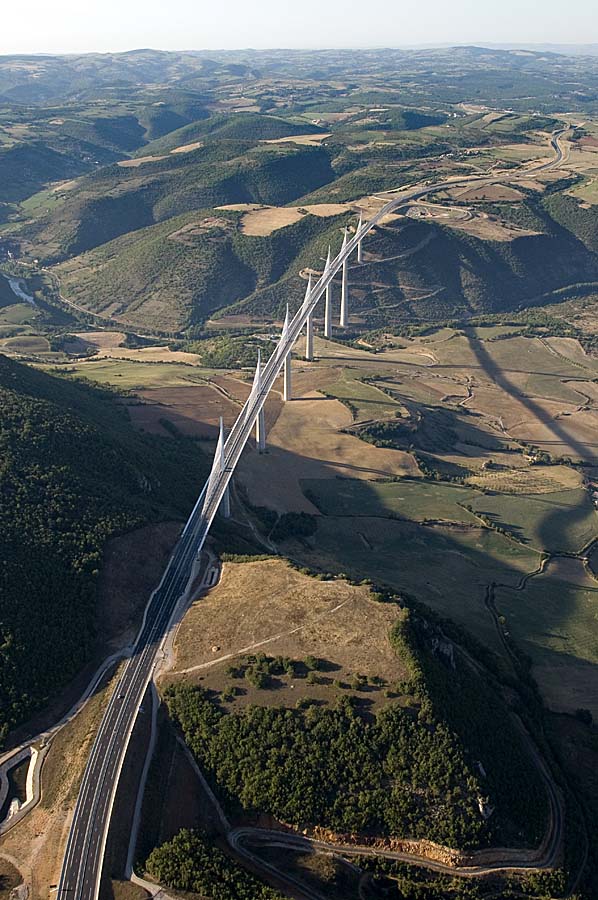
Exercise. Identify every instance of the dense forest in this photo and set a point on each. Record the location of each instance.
(191, 862)
(424, 769)
(73, 473)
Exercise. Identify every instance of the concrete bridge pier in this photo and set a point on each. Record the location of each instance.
(225, 502)
(287, 391)
(328, 313)
(328, 302)
(260, 422)
(359, 243)
(260, 431)
(309, 338)
(344, 319)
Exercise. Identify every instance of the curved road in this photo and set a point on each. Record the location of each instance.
(83, 861)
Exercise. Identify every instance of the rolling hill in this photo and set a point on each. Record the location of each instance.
(186, 269)
(73, 474)
(118, 200)
(178, 273)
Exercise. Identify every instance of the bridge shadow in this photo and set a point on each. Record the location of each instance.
(499, 377)
(449, 569)
(449, 566)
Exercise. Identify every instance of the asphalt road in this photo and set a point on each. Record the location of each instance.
(83, 861)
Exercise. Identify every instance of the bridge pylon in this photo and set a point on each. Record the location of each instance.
(225, 502)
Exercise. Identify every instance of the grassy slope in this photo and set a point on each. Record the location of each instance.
(460, 273)
(165, 278)
(73, 473)
(231, 169)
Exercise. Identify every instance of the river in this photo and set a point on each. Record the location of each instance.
(15, 284)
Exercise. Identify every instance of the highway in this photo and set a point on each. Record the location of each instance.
(82, 866)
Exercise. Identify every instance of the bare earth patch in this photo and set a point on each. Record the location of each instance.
(188, 148)
(131, 569)
(138, 161)
(311, 140)
(194, 409)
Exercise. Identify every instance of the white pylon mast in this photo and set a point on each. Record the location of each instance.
(225, 502)
(359, 243)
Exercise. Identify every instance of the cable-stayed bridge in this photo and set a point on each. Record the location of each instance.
(83, 862)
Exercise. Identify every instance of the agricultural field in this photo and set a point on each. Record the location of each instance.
(413, 500)
(553, 619)
(561, 521)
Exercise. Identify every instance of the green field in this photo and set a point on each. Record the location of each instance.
(562, 521)
(446, 568)
(416, 500)
(129, 375)
(364, 400)
(17, 314)
(26, 344)
(553, 619)
(588, 189)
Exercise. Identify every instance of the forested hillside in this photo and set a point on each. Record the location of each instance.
(180, 272)
(232, 167)
(399, 773)
(73, 473)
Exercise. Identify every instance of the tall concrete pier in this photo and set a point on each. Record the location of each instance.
(328, 302)
(225, 502)
(287, 391)
(359, 243)
(344, 319)
(260, 422)
(309, 323)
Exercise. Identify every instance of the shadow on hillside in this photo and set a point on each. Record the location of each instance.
(580, 449)
(449, 569)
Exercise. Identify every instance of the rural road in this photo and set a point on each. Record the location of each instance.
(82, 867)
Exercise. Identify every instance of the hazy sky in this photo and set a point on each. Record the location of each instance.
(34, 26)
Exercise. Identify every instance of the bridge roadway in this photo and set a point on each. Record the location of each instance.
(82, 866)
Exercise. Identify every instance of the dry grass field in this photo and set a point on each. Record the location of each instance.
(310, 140)
(263, 220)
(307, 442)
(268, 606)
